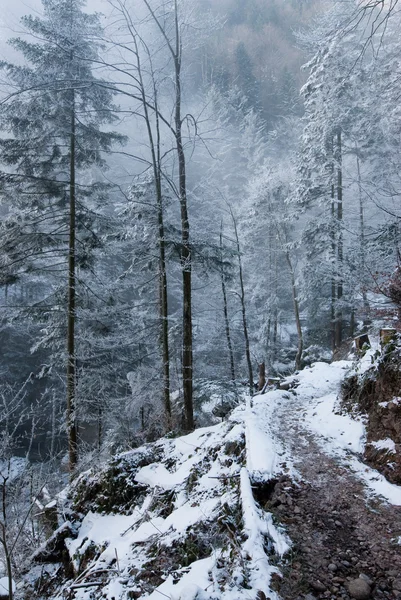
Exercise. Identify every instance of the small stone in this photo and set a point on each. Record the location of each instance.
(338, 523)
(397, 585)
(365, 578)
(345, 563)
(359, 589)
(332, 567)
(310, 597)
(297, 510)
(318, 586)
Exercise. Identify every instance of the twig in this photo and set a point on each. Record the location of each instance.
(118, 562)
(86, 585)
(224, 477)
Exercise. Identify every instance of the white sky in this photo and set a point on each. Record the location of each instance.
(12, 10)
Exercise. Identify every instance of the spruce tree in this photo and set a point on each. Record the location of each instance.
(52, 136)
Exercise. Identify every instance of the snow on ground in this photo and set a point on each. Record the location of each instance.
(201, 485)
(4, 586)
(341, 436)
(12, 468)
(386, 444)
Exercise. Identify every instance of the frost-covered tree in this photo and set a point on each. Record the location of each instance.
(52, 121)
(345, 165)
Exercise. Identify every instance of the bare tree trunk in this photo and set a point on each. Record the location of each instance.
(71, 359)
(275, 312)
(352, 324)
(298, 358)
(186, 254)
(154, 143)
(99, 427)
(243, 306)
(262, 376)
(175, 49)
(340, 283)
(333, 257)
(225, 308)
(4, 540)
(362, 242)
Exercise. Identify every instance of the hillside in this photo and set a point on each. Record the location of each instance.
(274, 502)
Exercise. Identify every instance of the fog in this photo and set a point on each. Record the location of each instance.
(12, 11)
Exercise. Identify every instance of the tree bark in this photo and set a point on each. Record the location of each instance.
(4, 540)
(340, 249)
(262, 376)
(298, 358)
(186, 253)
(71, 358)
(333, 255)
(243, 307)
(225, 308)
(154, 143)
(362, 243)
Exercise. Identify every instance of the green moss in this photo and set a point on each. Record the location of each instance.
(114, 490)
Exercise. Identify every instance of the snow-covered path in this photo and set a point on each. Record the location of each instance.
(281, 424)
(343, 517)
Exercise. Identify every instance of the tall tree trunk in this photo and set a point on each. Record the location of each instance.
(154, 143)
(186, 254)
(333, 254)
(298, 358)
(340, 248)
(225, 308)
(275, 310)
(362, 243)
(243, 307)
(71, 359)
(175, 49)
(4, 540)
(164, 319)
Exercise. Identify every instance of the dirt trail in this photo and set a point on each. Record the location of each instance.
(339, 536)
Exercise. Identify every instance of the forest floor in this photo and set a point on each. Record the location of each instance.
(346, 537)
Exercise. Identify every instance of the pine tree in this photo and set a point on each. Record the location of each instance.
(52, 137)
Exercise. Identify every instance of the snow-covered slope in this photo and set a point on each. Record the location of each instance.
(184, 518)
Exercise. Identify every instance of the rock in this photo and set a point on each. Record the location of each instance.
(318, 586)
(365, 578)
(392, 573)
(359, 589)
(4, 588)
(53, 548)
(332, 567)
(397, 585)
(310, 597)
(345, 563)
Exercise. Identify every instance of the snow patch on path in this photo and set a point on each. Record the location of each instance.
(341, 436)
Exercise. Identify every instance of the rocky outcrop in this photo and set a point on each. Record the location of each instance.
(376, 393)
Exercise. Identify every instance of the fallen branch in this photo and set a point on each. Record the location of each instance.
(86, 585)
(224, 476)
